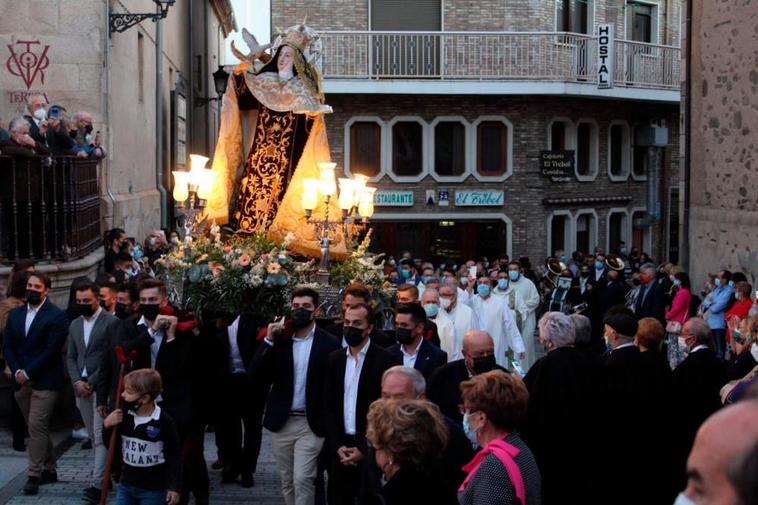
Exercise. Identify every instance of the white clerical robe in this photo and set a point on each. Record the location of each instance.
(464, 320)
(495, 318)
(528, 292)
(446, 332)
(516, 305)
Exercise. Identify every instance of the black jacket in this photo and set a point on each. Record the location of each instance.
(429, 359)
(651, 303)
(274, 365)
(377, 360)
(697, 382)
(247, 331)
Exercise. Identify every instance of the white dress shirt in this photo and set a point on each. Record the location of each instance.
(495, 318)
(464, 320)
(409, 360)
(236, 365)
(31, 313)
(353, 367)
(301, 355)
(157, 336)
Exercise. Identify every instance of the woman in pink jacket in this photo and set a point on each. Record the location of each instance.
(679, 313)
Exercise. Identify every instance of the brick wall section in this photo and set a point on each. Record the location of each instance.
(526, 188)
(322, 15)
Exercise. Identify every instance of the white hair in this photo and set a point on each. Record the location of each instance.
(556, 327)
(418, 381)
(582, 328)
(17, 123)
(649, 268)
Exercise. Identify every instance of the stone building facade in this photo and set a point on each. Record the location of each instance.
(500, 82)
(66, 51)
(723, 160)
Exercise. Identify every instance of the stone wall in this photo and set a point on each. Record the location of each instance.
(526, 188)
(724, 162)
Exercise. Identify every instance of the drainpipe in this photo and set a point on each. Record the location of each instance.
(684, 240)
(159, 121)
(107, 116)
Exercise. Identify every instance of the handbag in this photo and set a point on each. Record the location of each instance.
(675, 327)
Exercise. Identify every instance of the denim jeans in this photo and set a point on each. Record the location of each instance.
(719, 342)
(130, 495)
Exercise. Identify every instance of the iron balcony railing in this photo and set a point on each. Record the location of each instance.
(543, 56)
(49, 208)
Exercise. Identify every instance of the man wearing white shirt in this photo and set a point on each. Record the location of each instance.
(86, 344)
(293, 359)
(463, 318)
(531, 297)
(354, 380)
(505, 288)
(495, 319)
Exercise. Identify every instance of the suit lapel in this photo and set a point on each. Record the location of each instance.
(38, 319)
(368, 365)
(96, 328)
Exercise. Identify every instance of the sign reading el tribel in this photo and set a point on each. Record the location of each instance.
(605, 53)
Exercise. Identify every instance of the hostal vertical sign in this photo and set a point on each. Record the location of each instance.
(605, 52)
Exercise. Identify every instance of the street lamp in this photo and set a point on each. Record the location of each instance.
(354, 200)
(193, 188)
(123, 21)
(220, 81)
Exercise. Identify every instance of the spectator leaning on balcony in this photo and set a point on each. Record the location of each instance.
(21, 143)
(57, 138)
(36, 116)
(86, 142)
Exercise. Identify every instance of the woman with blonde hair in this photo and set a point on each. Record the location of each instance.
(504, 471)
(408, 437)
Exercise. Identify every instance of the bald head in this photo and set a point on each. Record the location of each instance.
(719, 449)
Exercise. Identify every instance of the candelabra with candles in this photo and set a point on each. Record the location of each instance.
(191, 190)
(355, 200)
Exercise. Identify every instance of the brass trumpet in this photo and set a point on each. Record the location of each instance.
(555, 268)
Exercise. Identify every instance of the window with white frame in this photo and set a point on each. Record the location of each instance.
(492, 148)
(641, 21)
(407, 148)
(619, 150)
(574, 16)
(586, 149)
(365, 148)
(559, 228)
(618, 223)
(559, 138)
(585, 231)
(449, 148)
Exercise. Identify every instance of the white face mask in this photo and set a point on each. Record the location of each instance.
(445, 303)
(40, 114)
(754, 350)
(683, 345)
(682, 499)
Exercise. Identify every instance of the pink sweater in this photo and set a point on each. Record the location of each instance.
(679, 306)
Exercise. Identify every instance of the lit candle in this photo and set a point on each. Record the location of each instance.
(197, 162)
(366, 203)
(310, 194)
(347, 194)
(328, 183)
(181, 179)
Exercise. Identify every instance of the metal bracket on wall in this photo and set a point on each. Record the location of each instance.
(123, 21)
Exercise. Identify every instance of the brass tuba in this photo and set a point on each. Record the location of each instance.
(555, 268)
(614, 262)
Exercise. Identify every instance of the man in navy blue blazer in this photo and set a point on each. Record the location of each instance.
(412, 350)
(33, 343)
(292, 362)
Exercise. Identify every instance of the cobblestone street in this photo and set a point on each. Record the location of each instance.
(74, 470)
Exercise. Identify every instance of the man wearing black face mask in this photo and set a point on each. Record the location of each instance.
(354, 380)
(411, 349)
(87, 335)
(478, 357)
(127, 301)
(293, 360)
(33, 342)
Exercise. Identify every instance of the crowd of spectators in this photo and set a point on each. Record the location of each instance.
(597, 379)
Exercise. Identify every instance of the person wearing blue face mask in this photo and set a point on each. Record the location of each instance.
(527, 291)
(716, 304)
(516, 304)
(407, 271)
(495, 318)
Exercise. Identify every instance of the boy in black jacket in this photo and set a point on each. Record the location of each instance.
(151, 461)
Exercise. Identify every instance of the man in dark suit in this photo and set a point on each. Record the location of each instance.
(444, 383)
(33, 343)
(633, 409)
(613, 293)
(240, 403)
(87, 334)
(412, 350)
(650, 300)
(697, 382)
(354, 380)
(293, 360)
